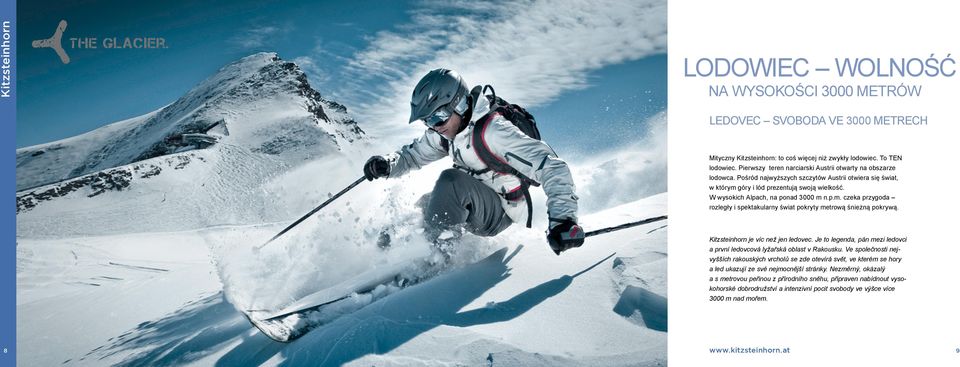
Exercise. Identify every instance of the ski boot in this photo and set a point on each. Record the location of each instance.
(444, 245)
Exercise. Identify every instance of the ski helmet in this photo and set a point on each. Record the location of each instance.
(437, 95)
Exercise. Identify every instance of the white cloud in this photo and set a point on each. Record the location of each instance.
(530, 51)
(315, 73)
(321, 62)
(259, 36)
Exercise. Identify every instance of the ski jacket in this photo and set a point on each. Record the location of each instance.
(531, 157)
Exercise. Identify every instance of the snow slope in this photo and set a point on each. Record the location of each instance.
(154, 299)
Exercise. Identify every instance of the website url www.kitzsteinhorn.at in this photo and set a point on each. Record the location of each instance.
(750, 350)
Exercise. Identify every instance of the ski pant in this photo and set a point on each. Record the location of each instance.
(458, 199)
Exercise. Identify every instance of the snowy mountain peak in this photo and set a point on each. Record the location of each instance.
(260, 102)
(259, 75)
(204, 159)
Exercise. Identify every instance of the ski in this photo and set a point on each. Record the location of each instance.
(325, 306)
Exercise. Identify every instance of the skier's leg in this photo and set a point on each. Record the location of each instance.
(458, 200)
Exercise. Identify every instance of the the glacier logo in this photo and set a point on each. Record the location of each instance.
(95, 43)
(54, 42)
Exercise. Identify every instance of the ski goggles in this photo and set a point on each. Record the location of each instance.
(438, 117)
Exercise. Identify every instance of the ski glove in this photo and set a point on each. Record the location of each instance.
(376, 167)
(565, 236)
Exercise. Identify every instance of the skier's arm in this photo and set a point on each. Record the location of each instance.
(413, 156)
(536, 160)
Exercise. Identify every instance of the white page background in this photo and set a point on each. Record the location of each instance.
(917, 324)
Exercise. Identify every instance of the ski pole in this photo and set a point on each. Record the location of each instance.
(303, 218)
(625, 226)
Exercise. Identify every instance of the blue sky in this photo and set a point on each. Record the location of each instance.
(590, 70)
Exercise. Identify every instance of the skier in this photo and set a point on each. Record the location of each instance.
(487, 188)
